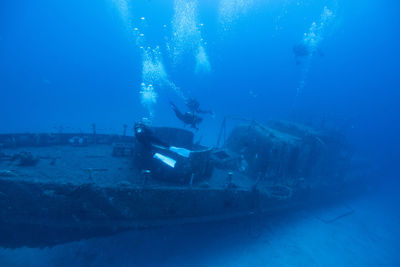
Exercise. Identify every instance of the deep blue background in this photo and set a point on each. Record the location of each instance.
(73, 63)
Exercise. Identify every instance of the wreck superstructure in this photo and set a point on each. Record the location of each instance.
(56, 188)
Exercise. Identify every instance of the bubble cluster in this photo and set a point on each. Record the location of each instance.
(185, 31)
(124, 11)
(186, 37)
(202, 63)
(315, 34)
(123, 8)
(231, 10)
(148, 97)
(153, 71)
(186, 40)
(311, 42)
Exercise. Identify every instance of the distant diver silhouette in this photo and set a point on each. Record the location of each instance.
(302, 51)
(188, 118)
(194, 106)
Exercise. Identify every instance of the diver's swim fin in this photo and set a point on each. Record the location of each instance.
(178, 150)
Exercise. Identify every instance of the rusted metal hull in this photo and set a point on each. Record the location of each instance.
(46, 214)
(62, 212)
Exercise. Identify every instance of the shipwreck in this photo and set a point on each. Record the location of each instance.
(57, 188)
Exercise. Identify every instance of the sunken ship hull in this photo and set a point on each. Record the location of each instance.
(59, 188)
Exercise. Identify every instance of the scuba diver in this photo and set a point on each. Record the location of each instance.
(194, 106)
(188, 118)
(145, 135)
(302, 51)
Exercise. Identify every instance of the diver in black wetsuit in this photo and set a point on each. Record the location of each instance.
(302, 51)
(188, 118)
(194, 106)
(145, 136)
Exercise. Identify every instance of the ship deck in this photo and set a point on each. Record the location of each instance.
(76, 192)
(94, 164)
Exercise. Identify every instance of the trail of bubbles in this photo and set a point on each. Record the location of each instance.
(315, 34)
(123, 9)
(154, 75)
(282, 14)
(148, 98)
(231, 10)
(310, 44)
(186, 37)
(202, 63)
(154, 78)
(186, 33)
(153, 71)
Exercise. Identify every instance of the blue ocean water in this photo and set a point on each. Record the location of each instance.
(67, 64)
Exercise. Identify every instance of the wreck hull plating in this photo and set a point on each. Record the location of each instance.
(46, 214)
(57, 188)
(57, 211)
